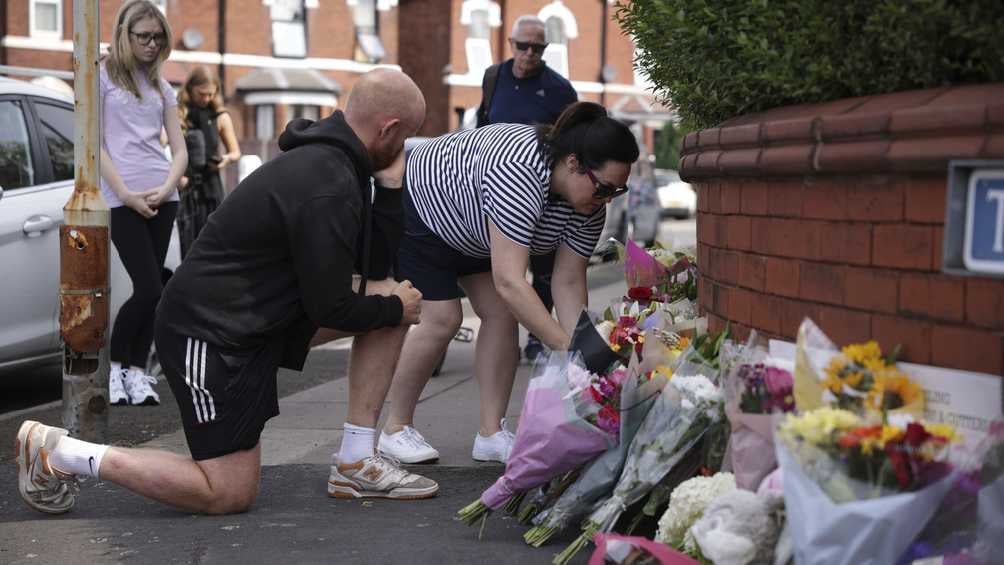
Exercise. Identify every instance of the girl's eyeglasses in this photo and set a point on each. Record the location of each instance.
(146, 38)
(604, 190)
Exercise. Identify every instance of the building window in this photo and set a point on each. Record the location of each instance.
(264, 122)
(480, 16)
(306, 111)
(561, 27)
(369, 48)
(289, 28)
(46, 18)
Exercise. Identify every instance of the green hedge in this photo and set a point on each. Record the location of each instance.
(715, 59)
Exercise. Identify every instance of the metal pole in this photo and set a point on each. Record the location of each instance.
(84, 248)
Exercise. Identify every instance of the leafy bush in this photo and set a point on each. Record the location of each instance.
(667, 145)
(715, 59)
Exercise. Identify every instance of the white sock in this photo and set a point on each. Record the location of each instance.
(77, 457)
(116, 367)
(357, 443)
(137, 370)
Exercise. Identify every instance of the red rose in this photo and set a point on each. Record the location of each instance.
(640, 293)
(916, 434)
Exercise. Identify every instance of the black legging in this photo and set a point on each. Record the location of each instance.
(142, 246)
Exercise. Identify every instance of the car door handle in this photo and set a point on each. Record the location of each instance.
(37, 225)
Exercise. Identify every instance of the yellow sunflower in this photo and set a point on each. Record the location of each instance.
(861, 353)
(893, 390)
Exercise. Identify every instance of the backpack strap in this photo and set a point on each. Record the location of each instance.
(487, 90)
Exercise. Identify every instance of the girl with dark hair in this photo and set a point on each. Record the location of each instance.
(138, 183)
(212, 145)
(477, 204)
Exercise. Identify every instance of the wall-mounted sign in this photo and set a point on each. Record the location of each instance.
(974, 219)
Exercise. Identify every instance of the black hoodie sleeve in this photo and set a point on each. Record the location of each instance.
(323, 242)
(387, 229)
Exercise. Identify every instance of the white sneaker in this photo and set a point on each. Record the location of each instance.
(42, 487)
(116, 391)
(137, 386)
(378, 477)
(407, 446)
(495, 447)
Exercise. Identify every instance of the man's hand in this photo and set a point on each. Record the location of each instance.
(392, 176)
(411, 298)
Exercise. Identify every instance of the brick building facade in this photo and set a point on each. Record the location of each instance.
(281, 59)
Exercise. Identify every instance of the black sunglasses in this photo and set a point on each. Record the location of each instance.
(146, 38)
(604, 190)
(537, 48)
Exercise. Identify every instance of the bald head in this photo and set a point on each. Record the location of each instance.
(382, 95)
(385, 107)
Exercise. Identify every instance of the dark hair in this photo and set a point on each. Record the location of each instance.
(585, 130)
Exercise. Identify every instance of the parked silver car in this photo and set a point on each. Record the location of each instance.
(36, 181)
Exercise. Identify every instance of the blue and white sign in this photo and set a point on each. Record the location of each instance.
(983, 248)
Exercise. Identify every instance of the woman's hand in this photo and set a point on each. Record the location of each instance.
(138, 202)
(158, 196)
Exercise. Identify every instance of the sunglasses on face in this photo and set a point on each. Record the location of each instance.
(145, 38)
(537, 48)
(604, 190)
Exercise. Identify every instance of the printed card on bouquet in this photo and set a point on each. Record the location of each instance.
(967, 400)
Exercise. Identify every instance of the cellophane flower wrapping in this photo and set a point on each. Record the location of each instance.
(646, 379)
(552, 438)
(859, 493)
(758, 388)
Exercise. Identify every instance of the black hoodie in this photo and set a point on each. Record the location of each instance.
(276, 259)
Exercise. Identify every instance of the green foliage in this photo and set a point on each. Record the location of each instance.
(667, 146)
(716, 59)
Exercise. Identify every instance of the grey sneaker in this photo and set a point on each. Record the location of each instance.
(378, 477)
(43, 488)
(116, 389)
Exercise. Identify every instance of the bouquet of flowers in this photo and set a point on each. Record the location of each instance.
(659, 274)
(638, 393)
(757, 387)
(857, 492)
(857, 378)
(687, 407)
(553, 436)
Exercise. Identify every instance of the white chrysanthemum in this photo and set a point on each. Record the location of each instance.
(697, 389)
(687, 504)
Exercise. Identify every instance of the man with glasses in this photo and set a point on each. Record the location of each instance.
(523, 90)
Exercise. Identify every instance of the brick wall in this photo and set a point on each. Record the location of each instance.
(856, 246)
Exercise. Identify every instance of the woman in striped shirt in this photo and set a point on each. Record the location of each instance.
(477, 204)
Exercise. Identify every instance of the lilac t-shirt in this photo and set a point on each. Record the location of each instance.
(131, 135)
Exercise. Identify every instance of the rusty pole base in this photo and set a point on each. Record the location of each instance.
(85, 394)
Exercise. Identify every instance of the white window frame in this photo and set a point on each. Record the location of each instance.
(264, 122)
(161, 5)
(477, 49)
(44, 33)
(281, 27)
(556, 54)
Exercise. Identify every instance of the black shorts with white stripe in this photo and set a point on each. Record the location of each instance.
(225, 395)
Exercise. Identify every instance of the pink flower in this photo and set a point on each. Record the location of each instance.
(779, 382)
(609, 419)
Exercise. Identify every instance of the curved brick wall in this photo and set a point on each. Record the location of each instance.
(836, 211)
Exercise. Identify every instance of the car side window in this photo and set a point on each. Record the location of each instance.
(16, 167)
(57, 130)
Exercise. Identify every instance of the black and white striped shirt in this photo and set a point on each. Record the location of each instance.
(461, 180)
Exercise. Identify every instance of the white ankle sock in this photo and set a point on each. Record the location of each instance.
(77, 457)
(116, 367)
(357, 443)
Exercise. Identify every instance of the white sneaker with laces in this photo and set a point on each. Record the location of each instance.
(116, 389)
(42, 487)
(407, 446)
(378, 476)
(137, 386)
(495, 447)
